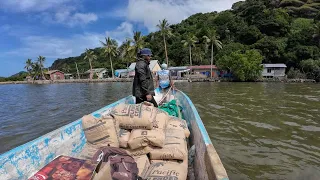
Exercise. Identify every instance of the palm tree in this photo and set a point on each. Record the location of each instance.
(110, 49)
(165, 31)
(138, 41)
(127, 52)
(36, 70)
(40, 62)
(316, 34)
(90, 56)
(28, 66)
(189, 42)
(215, 43)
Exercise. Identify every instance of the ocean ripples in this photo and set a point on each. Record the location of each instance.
(262, 130)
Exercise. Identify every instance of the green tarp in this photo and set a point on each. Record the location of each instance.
(172, 108)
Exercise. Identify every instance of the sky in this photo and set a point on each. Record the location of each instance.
(65, 28)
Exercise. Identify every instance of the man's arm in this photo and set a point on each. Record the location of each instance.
(142, 74)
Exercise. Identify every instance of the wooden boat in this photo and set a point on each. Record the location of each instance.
(23, 161)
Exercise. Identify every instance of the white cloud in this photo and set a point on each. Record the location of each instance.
(54, 47)
(50, 11)
(32, 5)
(67, 18)
(149, 12)
(125, 30)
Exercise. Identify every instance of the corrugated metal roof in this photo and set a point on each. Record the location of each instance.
(202, 67)
(274, 65)
(53, 71)
(178, 68)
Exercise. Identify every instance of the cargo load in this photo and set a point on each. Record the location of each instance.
(143, 164)
(142, 138)
(166, 170)
(139, 151)
(124, 136)
(177, 123)
(134, 116)
(100, 131)
(175, 147)
(161, 119)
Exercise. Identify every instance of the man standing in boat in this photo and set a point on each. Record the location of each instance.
(143, 88)
(164, 80)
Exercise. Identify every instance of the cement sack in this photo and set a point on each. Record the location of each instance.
(161, 119)
(134, 116)
(139, 151)
(141, 138)
(88, 151)
(124, 136)
(100, 131)
(175, 147)
(143, 164)
(166, 170)
(177, 123)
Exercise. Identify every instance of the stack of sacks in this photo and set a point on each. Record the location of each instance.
(171, 161)
(142, 128)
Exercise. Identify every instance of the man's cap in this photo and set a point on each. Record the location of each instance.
(145, 52)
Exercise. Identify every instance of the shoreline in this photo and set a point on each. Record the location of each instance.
(131, 79)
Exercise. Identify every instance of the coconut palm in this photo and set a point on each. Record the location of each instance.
(190, 42)
(36, 70)
(127, 52)
(316, 34)
(212, 38)
(138, 41)
(110, 49)
(90, 56)
(165, 31)
(40, 62)
(28, 66)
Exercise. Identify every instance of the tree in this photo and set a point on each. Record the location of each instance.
(165, 31)
(190, 42)
(36, 70)
(311, 68)
(244, 66)
(110, 49)
(138, 41)
(127, 52)
(66, 68)
(28, 66)
(90, 56)
(40, 62)
(212, 38)
(316, 34)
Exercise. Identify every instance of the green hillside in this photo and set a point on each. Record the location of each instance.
(281, 31)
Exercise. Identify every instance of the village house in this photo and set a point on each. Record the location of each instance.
(54, 75)
(178, 72)
(274, 70)
(154, 67)
(205, 70)
(100, 73)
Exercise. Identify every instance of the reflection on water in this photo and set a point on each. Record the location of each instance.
(260, 130)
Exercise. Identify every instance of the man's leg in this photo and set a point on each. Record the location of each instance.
(141, 100)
